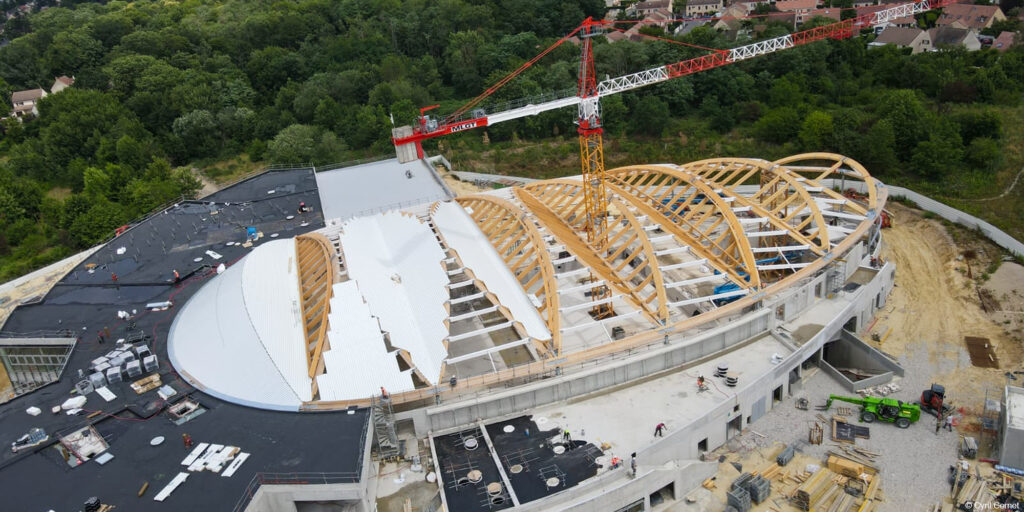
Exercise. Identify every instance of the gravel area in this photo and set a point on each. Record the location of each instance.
(914, 461)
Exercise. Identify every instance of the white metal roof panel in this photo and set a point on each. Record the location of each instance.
(270, 288)
(213, 344)
(462, 234)
(359, 190)
(396, 261)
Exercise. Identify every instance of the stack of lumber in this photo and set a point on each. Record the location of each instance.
(869, 496)
(813, 489)
(146, 384)
(974, 491)
(850, 455)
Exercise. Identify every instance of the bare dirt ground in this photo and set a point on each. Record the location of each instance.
(935, 304)
(209, 186)
(461, 188)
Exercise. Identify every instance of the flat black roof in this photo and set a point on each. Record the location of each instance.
(529, 457)
(86, 303)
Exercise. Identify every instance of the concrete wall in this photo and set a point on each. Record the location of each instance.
(854, 353)
(521, 399)
(1011, 446)
(282, 498)
(617, 489)
(862, 355)
(682, 443)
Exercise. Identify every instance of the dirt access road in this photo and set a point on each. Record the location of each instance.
(935, 305)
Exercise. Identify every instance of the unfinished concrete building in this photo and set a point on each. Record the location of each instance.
(472, 320)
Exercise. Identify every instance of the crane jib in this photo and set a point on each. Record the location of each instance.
(468, 125)
(839, 30)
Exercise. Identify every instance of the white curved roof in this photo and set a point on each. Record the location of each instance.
(397, 263)
(236, 337)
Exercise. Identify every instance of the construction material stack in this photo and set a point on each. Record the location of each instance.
(739, 499)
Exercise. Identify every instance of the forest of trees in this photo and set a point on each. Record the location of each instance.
(162, 86)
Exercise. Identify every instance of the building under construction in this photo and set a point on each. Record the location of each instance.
(255, 323)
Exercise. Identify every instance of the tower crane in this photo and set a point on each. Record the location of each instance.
(408, 139)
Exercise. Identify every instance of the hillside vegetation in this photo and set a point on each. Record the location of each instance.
(161, 87)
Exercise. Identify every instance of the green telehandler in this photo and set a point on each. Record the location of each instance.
(884, 409)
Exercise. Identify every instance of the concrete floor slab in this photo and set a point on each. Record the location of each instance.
(625, 417)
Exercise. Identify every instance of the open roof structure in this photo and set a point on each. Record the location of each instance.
(476, 286)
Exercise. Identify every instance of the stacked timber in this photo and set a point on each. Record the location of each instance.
(812, 489)
(974, 492)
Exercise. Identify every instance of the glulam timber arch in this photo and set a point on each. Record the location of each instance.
(693, 212)
(780, 199)
(820, 166)
(522, 248)
(627, 264)
(317, 272)
(656, 211)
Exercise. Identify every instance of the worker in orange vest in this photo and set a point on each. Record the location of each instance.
(187, 439)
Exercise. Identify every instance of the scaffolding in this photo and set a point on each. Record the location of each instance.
(988, 444)
(384, 428)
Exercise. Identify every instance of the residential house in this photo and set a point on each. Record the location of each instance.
(730, 19)
(1004, 41)
(916, 39)
(633, 34)
(905, 22)
(26, 102)
(687, 26)
(857, 4)
(659, 18)
(832, 13)
(801, 8)
(60, 83)
(644, 9)
(703, 7)
(970, 16)
(788, 18)
(944, 37)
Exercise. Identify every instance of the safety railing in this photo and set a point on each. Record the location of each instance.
(261, 479)
(350, 163)
(388, 207)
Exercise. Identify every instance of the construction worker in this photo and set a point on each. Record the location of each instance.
(949, 423)
(938, 423)
(658, 430)
(187, 439)
(566, 436)
(632, 464)
(384, 393)
(99, 337)
(701, 386)
(113, 277)
(177, 276)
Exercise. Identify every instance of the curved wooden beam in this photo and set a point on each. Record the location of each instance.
(504, 224)
(575, 360)
(317, 272)
(563, 230)
(698, 238)
(650, 261)
(840, 160)
(775, 215)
